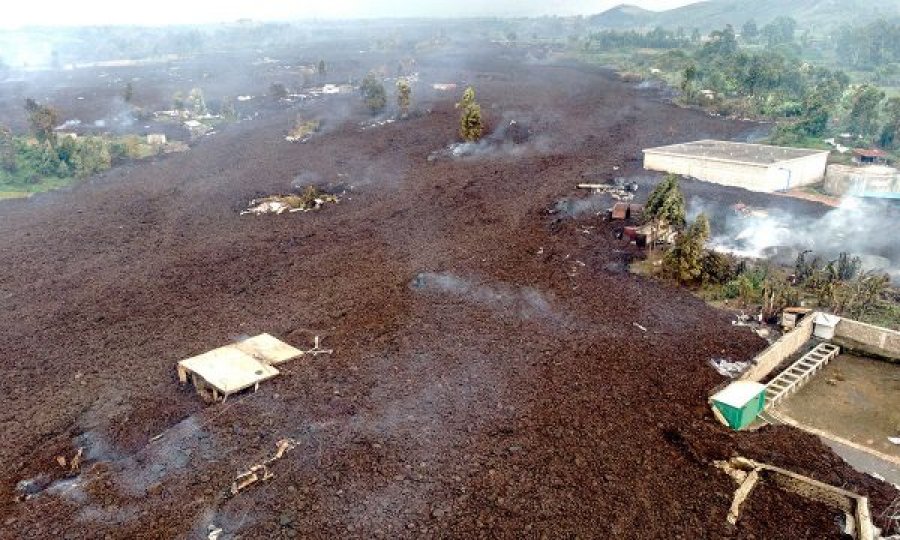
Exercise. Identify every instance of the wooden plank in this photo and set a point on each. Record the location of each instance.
(741, 494)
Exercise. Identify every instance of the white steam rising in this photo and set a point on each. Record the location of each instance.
(861, 228)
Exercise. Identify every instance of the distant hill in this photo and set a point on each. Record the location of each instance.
(816, 15)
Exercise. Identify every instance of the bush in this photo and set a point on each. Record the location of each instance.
(373, 93)
(717, 268)
(747, 286)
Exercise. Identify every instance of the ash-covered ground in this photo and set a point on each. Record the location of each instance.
(488, 380)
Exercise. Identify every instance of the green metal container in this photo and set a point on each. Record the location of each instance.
(740, 402)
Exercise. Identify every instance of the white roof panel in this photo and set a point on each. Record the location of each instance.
(739, 393)
(268, 349)
(228, 369)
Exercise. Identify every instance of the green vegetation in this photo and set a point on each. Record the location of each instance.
(766, 74)
(41, 120)
(684, 262)
(871, 47)
(48, 161)
(373, 93)
(839, 286)
(470, 123)
(822, 17)
(321, 68)
(666, 203)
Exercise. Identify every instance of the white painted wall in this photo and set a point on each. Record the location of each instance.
(802, 171)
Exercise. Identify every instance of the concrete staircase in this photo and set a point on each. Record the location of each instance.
(797, 374)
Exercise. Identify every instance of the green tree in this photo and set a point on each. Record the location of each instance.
(780, 31)
(688, 83)
(722, 43)
(717, 268)
(42, 120)
(321, 68)
(695, 35)
(864, 105)
(404, 100)
(470, 122)
(684, 262)
(750, 31)
(86, 156)
(178, 101)
(666, 203)
(373, 93)
(890, 133)
(8, 152)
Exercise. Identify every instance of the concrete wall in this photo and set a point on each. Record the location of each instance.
(868, 339)
(843, 179)
(803, 171)
(779, 351)
(806, 170)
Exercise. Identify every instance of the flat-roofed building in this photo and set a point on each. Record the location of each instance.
(755, 167)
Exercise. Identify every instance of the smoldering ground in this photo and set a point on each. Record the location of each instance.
(526, 302)
(859, 227)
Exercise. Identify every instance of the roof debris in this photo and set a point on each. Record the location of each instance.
(260, 472)
(310, 199)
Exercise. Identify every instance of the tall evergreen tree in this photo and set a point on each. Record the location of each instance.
(470, 123)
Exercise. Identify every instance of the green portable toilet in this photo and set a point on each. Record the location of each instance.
(740, 402)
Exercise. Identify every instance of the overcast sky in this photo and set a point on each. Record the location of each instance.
(18, 13)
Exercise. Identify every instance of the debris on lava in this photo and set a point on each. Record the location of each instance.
(727, 368)
(260, 472)
(310, 199)
(363, 126)
(303, 130)
(73, 465)
(620, 190)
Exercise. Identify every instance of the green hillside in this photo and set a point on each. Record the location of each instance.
(817, 15)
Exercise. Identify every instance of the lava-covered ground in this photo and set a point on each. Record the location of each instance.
(489, 377)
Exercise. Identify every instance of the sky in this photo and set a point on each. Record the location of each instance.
(19, 13)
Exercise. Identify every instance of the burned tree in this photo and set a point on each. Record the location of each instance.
(404, 100)
(470, 125)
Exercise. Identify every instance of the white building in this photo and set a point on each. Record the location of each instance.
(755, 167)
